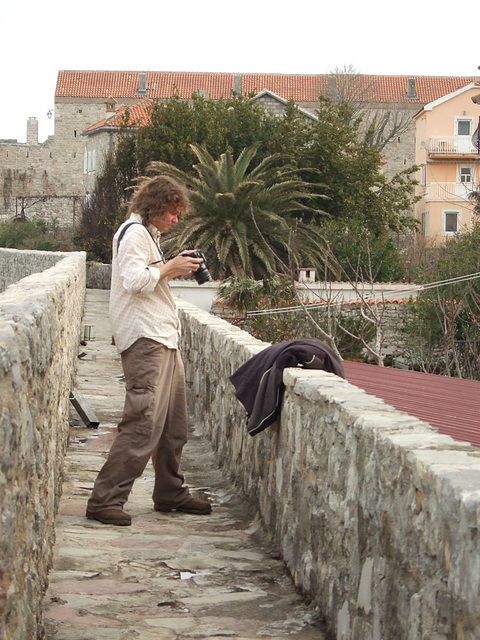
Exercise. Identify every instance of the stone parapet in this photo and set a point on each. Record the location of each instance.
(40, 320)
(376, 514)
(98, 275)
(15, 264)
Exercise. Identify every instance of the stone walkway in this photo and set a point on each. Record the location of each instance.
(168, 576)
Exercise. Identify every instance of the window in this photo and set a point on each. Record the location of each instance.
(464, 127)
(307, 275)
(89, 161)
(463, 135)
(451, 223)
(423, 175)
(425, 223)
(465, 174)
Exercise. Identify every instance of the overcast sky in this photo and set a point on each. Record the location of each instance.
(374, 37)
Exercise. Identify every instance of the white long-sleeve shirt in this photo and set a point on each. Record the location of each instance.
(141, 303)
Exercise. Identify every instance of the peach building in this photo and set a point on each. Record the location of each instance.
(447, 135)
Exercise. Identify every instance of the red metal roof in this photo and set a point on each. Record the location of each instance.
(301, 88)
(451, 405)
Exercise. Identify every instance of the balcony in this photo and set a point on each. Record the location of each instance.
(445, 146)
(448, 191)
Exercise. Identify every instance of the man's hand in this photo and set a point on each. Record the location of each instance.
(181, 265)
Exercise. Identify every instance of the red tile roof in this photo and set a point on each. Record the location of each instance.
(124, 84)
(138, 116)
(301, 88)
(451, 405)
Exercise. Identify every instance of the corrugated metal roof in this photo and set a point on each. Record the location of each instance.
(451, 405)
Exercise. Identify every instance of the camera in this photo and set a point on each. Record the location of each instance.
(202, 274)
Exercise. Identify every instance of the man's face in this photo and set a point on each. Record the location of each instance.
(164, 221)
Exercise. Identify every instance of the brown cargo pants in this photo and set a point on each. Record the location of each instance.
(154, 425)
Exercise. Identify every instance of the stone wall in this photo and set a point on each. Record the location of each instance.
(39, 180)
(40, 320)
(98, 275)
(374, 512)
(15, 264)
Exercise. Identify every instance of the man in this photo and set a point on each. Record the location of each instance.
(146, 330)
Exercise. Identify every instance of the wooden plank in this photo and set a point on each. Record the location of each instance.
(84, 410)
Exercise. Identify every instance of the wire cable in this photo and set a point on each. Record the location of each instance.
(319, 305)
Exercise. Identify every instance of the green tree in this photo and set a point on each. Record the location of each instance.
(244, 221)
(218, 125)
(361, 254)
(107, 205)
(474, 197)
(444, 333)
(37, 233)
(343, 158)
(291, 134)
(168, 136)
(333, 151)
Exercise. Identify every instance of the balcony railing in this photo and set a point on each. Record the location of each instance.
(448, 191)
(451, 145)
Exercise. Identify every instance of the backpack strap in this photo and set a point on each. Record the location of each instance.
(122, 232)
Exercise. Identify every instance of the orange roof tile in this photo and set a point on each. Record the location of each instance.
(301, 88)
(124, 84)
(138, 116)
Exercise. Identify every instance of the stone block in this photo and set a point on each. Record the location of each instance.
(376, 515)
(40, 318)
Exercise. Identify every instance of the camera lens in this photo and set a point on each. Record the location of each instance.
(202, 274)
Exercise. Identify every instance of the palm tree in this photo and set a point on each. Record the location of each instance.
(246, 222)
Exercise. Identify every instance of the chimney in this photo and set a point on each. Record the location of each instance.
(411, 93)
(142, 84)
(237, 85)
(332, 87)
(32, 131)
(110, 104)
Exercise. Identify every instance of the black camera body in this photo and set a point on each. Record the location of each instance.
(202, 274)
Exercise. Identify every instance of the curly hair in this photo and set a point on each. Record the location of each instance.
(154, 196)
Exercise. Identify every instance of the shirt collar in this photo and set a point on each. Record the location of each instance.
(154, 232)
(152, 229)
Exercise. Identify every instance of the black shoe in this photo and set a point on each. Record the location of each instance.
(111, 516)
(197, 507)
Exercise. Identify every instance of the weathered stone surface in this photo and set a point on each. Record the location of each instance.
(39, 333)
(169, 575)
(376, 515)
(16, 264)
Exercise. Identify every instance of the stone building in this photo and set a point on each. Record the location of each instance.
(53, 178)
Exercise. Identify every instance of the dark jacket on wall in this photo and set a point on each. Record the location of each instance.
(258, 383)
